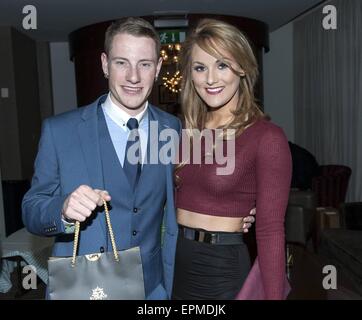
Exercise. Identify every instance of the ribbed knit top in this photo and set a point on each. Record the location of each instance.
(261, 179)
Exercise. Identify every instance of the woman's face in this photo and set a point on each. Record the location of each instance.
(214, 81)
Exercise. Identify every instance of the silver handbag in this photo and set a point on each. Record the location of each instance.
(98, 276)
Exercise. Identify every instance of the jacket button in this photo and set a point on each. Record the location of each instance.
(101, 249)
(135, 210)
(134, 232)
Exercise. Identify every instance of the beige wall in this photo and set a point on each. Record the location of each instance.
(45, 80)
(63, 78)
(278, 79)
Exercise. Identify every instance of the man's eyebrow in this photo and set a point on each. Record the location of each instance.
(146, 60)
(142, 60)
(119, 58)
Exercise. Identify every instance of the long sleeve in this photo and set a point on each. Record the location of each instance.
(42, 204)
(273, 177)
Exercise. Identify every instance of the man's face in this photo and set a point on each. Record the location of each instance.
(132, 66)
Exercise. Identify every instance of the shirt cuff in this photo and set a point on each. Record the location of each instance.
(68, 226)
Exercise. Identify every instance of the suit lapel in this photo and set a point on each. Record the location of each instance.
(89, 138)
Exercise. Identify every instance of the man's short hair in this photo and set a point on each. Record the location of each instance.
(134, 26)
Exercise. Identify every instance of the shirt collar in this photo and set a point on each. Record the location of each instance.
(120, 116)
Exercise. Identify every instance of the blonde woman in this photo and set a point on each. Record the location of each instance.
(212, 262)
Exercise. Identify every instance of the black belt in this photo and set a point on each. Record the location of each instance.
(211, 237)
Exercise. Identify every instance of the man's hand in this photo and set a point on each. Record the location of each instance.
(80, 204)
(249, 220)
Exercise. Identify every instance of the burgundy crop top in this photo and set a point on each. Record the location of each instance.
(261, 178)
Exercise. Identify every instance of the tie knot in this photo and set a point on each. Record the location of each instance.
(132, 123)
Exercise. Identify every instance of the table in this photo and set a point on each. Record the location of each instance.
(30, 249)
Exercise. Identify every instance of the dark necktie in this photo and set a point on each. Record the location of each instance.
(132, 169)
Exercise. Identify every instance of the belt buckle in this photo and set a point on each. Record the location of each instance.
(210, 238)
(214, 238)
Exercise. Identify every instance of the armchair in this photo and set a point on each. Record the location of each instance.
(342, 247)
(299, 221)
(331, 185)
(300, 216)
(351, 215)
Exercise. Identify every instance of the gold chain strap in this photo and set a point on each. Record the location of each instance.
(115, 252)
(76, 238)
(110, 230)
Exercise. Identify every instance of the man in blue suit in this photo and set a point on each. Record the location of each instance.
(81, 160)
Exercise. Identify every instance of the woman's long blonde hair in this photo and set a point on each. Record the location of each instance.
(214, 36)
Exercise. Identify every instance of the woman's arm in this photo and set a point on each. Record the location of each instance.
(273, 177)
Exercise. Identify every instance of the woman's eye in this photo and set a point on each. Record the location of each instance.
(120, 63)
(199, 68)
(146, 65)
(223, 65)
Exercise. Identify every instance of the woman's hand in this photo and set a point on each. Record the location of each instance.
(248, 220)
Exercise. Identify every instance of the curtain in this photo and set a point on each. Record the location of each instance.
(328, 89)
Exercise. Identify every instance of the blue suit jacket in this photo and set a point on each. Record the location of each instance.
(69, 156)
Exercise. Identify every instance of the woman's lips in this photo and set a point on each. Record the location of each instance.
(214, 90)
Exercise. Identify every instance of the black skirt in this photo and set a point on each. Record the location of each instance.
(205, 271)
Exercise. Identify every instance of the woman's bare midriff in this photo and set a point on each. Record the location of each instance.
(207, 222)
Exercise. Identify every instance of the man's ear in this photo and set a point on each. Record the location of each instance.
(104, 60)
(159, 65)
